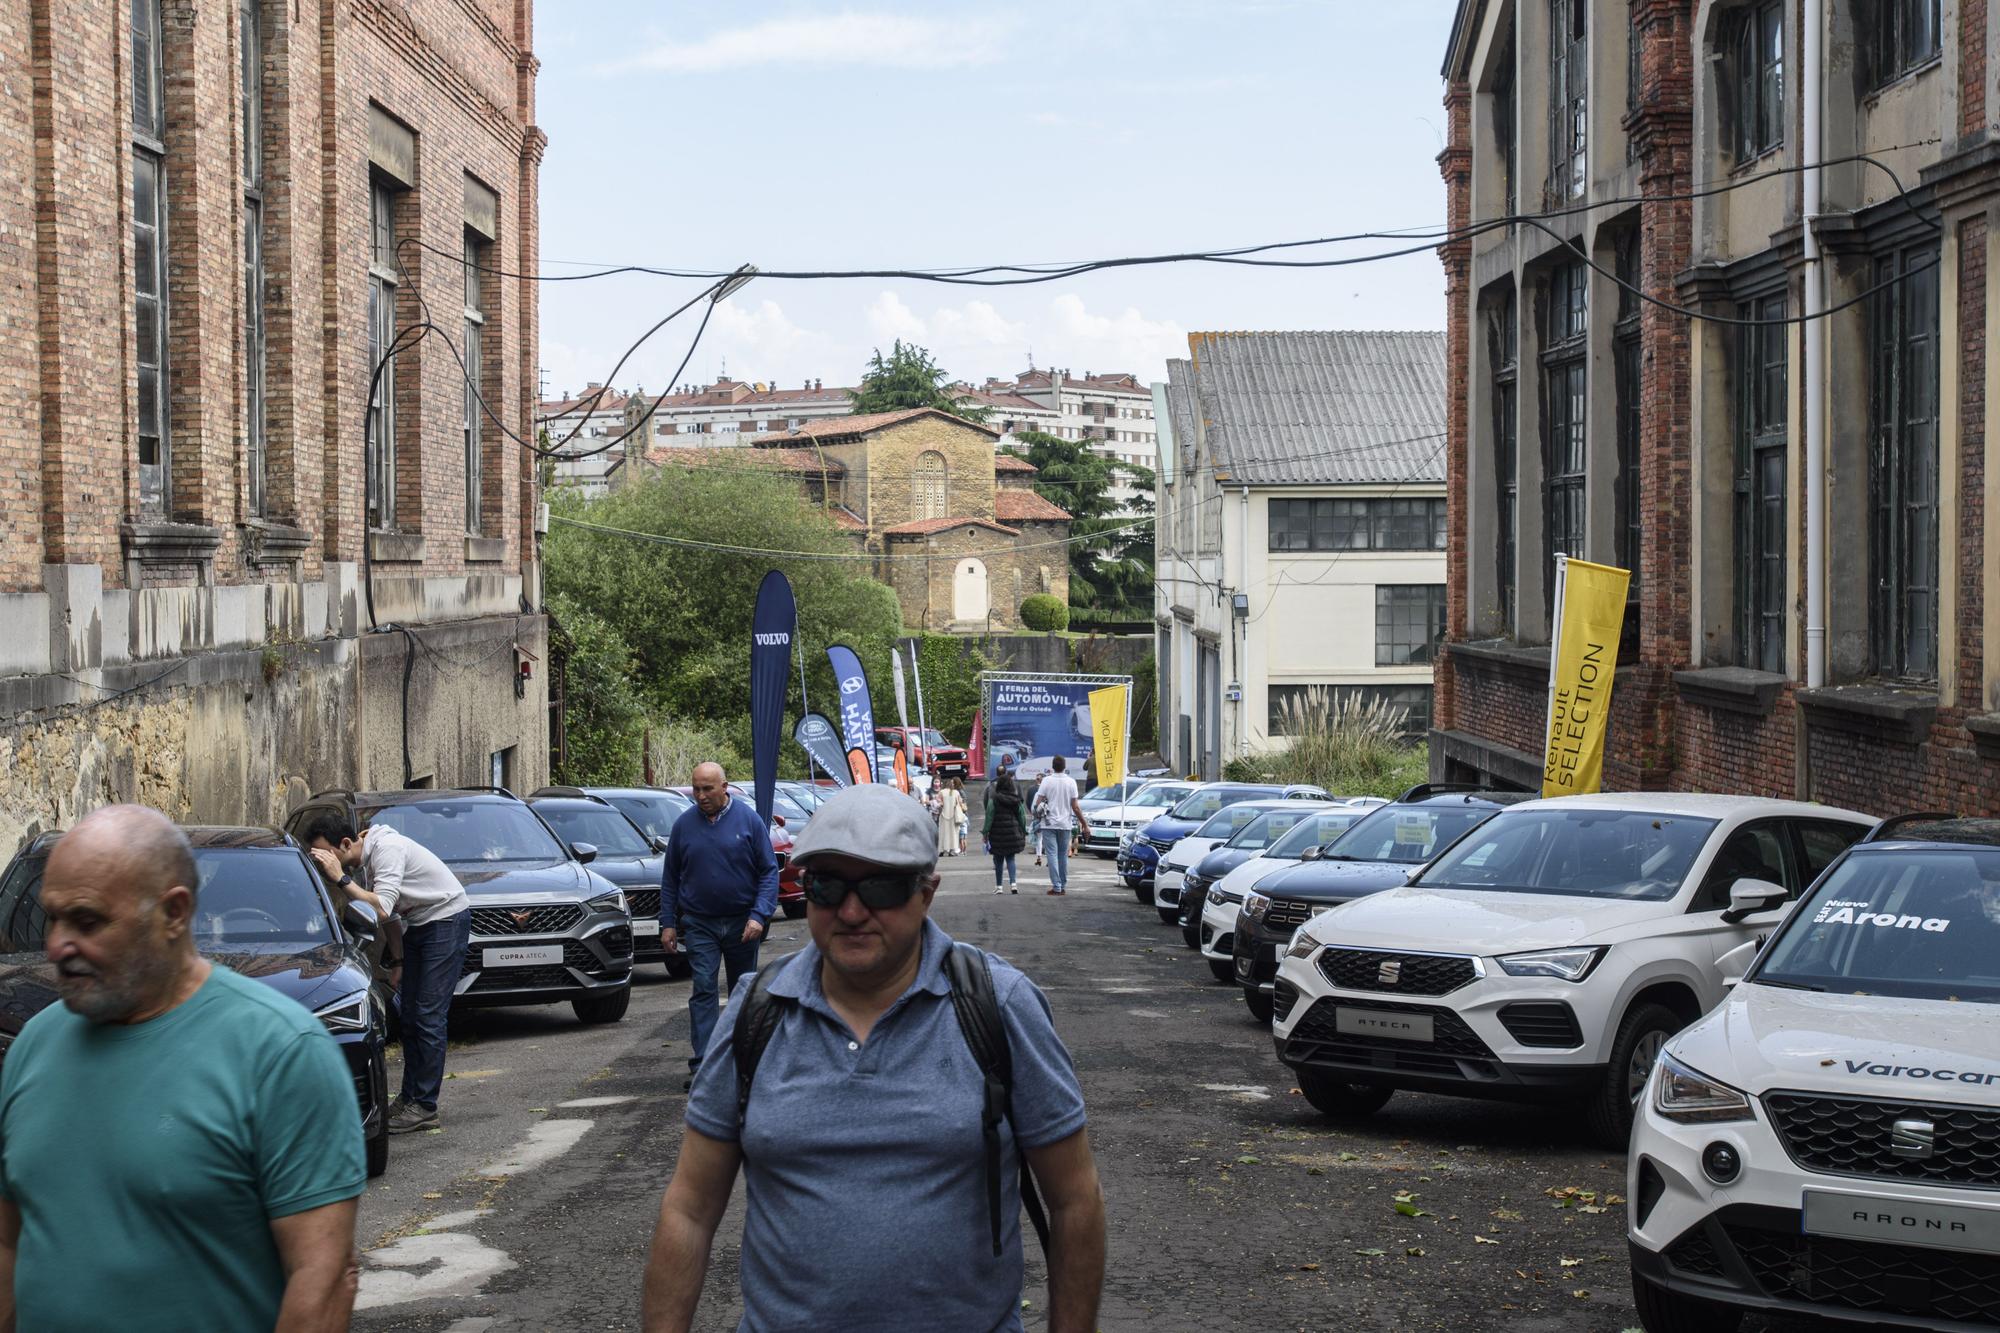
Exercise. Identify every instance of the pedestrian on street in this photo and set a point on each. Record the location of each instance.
(179, 1145)
(1006, 826)
(718, 888)
(874, 1198)
(405, 878)
(950, 803)
(1035, 820)
(1060, 809)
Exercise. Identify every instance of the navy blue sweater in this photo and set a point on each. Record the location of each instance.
(723, 867)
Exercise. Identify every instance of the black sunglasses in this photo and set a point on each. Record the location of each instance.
(877, 891)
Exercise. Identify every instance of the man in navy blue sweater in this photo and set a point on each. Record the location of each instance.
(717, 891)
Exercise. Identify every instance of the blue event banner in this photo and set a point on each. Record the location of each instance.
(857, 709)
(1034, 720)
(771, 631)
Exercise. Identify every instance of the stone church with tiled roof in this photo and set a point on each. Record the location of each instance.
(959, 532)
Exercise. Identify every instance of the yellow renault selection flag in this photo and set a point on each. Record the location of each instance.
(1590, 614)
(1107, 728)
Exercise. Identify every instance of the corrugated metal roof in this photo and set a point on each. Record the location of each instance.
(1323, 408)
(1180, 410)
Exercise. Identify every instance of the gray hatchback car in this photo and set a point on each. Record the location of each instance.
(545, 928)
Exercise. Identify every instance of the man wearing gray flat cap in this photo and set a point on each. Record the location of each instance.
(909, 1095)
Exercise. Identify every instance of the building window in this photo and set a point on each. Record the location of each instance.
(1506, 131)
(475, 369)
(1907, 35)
(382, 284)
(1414, 700)
(1569, 98)
(1626, 372)
(251, 37)
(1903, 465)
(1504, 347)
(1760, 485)
(1564, 363)
(149, 254)
(1409, 623)
(1756, 52)
(929, 493)
(1356, 525)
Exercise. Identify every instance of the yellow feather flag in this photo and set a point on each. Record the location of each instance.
(1590, 615)
(1108, 709)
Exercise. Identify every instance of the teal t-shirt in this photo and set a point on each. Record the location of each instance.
(148, 1161)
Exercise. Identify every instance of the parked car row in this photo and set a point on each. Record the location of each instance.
(1787, 1012)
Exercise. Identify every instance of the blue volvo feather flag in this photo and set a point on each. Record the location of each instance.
(770, 679)
(857, 712)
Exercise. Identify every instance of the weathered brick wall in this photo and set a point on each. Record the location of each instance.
(20, 361)
(1015, 568)
(892, 455)
(1735, 752)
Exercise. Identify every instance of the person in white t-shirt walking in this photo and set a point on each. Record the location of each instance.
(404, 878)
(1059, 807)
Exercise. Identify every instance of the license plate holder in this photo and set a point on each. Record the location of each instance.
(645, 925)
(521, 955)
(1383, 1023)
(1937, 1226)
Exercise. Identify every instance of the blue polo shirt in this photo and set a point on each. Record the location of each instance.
(863, 1164)
(719, 867)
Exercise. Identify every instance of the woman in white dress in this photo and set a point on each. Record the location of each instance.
(950, 803)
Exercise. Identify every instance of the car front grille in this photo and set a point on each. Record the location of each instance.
(549, 919)
(1401, 973)
(1870, 1277)
(1287, 914)
(643, 902)
(1453, 1040)
(576, 954)
(1694, 1255)
(1850, 1136)
(617, 942)
(1549, 1023)
(1158, 846)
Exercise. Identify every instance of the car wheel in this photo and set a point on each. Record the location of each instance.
(1640, 1036)
(1169, 916)
(793, 911)
(1223, 970)
(1663, 1311)
(603, 1008)
(1142, 891)
(378, 1149)
(1259, 1004)
(1333, 1095)
(678, 967)
(1191, 933)
(1105, 856)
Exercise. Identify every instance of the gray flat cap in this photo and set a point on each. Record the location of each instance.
(871, 822)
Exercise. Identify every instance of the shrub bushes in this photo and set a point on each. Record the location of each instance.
(1045, 613)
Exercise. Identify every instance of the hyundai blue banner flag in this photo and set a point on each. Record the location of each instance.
(857, 712)
(822, 743)
(770, 680)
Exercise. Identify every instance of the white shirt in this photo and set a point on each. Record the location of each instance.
(409, 878)
(1055, 794)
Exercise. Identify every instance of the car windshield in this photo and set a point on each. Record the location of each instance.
(931, 738)
(1225, 823)
(1578, 853)
(1202, 804)
(1316, 829)
(1921, 925)
(783, 804)
(602, 826)
(654, 812)
(247, 896)
(464, 831)
(1157, 797)
(1266, 829)
(1410, 834)
(1111, 795)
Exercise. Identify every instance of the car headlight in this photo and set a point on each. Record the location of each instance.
(1255, 906)
(1216, 895)
(1302, 945)
(349, 1013)
(1562, 964)
(613, 901)
(1691, 1098)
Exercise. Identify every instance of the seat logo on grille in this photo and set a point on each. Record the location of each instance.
(1914, 1140)
(1390, 973)
(522, 917)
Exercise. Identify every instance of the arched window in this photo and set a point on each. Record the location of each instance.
(928, 493)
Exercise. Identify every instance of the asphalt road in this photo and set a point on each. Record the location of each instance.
(1231, 1203)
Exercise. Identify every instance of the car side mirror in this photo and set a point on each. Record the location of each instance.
(1749, 896)
(361, 920)
(659, 841)
(1311, 853)
(584, 852)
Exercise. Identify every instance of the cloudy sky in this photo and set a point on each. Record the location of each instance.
(810, 135)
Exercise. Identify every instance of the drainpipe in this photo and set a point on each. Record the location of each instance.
(1243, 660)
(1813, 350)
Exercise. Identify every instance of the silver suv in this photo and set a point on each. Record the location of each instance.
(545, 928)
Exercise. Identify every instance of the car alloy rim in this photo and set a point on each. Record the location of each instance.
(1644, 1055)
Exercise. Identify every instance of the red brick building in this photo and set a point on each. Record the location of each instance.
(1650, 154)
(213, 220)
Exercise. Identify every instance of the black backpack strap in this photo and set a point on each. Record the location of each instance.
(755, 1022)
(978, 1011)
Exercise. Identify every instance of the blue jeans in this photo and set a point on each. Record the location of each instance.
(713, 942)
(1055, 846)
(1002, 862)
(433, 958)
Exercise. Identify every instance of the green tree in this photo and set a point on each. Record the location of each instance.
(1111, 565)
(909, 377)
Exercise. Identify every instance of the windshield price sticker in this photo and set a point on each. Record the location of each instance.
(1412, 830)
(1838, 913)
